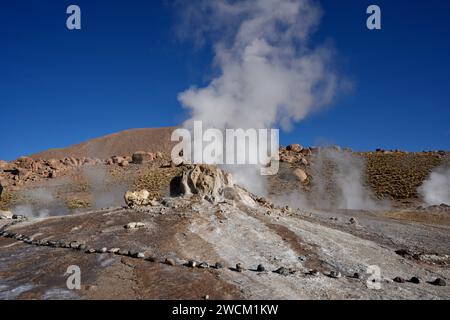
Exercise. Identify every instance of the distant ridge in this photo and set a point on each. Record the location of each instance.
(121, 143)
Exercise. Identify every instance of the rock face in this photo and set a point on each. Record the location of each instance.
(209, 182)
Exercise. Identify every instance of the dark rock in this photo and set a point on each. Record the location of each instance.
(415, 280)
(203, 265)
(439, 282)
(402, 252)
(219, 265)
(260, 268)
(192, 264)
(356, 275)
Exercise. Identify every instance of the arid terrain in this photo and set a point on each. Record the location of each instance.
(198, 235)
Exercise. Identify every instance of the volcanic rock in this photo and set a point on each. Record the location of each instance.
(207, 181)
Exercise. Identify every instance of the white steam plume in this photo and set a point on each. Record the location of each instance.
(436, 188)
(269, 73)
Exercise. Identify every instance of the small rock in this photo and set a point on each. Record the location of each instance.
(282, 271)
(353, 220)
(82, 247)
(114, 250)
(399, 280)
(74, 245)
(439, 282)
(239, 267)
(206, 297)
(314, 272)
(192, 264)
(103, 250)
(203, 265)
(415, 280)
(90, 251)
(219, 265)
(356, 275)
(170, 262)
(140, 255)
(302, 258)
(124, 252)
(260, 268)
(335, 274)
(134, 225)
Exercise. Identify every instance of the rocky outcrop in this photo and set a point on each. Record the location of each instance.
(209, 183)
(206, 181)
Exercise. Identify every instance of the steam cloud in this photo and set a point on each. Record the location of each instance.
(338, 182)
(269, 73)
(436, 188)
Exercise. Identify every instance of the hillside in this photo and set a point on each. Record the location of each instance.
(120, 143)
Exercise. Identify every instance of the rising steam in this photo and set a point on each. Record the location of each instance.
(436, 188)
(269, 74)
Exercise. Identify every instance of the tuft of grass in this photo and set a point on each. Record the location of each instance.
(74, 204)
(6, 200)
(155, 181)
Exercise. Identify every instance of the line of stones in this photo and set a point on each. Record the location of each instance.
(74, 245)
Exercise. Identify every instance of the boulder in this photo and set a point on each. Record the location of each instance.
(137, 198)
(300, 175)
(294, 147)
(5, 214)
(141, 157)
(207, 181)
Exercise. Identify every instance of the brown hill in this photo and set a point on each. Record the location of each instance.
(120, 143)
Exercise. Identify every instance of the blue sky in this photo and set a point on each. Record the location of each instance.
(126, 66)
